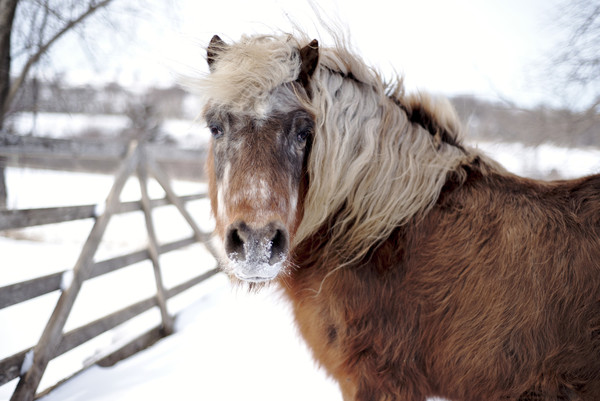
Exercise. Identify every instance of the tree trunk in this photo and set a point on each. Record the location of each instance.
(7, 15)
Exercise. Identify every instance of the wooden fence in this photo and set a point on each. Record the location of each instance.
(140, 158)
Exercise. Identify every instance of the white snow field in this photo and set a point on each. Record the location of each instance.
(228, 344)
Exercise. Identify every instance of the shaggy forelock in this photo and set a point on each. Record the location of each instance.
(246, 72)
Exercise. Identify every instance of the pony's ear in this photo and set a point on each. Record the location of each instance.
(215, 46)
(309, 56)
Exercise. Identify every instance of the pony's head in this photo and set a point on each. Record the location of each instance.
(262, 126)
(308, 140)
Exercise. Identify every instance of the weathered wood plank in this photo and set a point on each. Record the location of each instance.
(138, 344)
(167, 321)
(51, 335)
(35, 217)
(83, 155)
(80, 335)
(110, 265)
(181, 169)
(11, 219)
(164, 182)
(19, 292)
(18, 145)
(13, 147)
(10, 367)
(178, 289)
(54, 154)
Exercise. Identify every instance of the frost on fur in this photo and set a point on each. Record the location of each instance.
(255, 263)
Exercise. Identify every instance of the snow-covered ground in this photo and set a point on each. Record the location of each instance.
(228, 344)
(543, 161)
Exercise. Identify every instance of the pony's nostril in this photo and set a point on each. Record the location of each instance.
(234, 245)
(256, 246)
(279, 245)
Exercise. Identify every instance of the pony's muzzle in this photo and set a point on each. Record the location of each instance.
(256, 253)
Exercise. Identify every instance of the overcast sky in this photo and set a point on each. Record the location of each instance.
(492, 48)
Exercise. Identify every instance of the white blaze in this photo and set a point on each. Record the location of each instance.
(222, 189)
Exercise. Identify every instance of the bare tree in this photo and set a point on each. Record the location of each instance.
(7, 15)
(42, 24)
(38, 25)
(576, 61)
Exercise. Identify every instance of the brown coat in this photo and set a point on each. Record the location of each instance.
(493, 295)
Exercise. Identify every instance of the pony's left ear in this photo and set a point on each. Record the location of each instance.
(215, 46)
(309, 56)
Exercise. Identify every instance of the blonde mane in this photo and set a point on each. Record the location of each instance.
(371, 167)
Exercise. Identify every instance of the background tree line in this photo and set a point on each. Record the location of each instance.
(57, 96)
(483, 119)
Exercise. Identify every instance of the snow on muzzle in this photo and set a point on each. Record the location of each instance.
(256, 254)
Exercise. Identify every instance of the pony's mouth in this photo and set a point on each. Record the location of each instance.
(255, 272)
(254, 279)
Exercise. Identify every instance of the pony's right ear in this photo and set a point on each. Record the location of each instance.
(215, 46)
(309, 56)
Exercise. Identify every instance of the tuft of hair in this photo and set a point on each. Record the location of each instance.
(435, 114)
(245, 73)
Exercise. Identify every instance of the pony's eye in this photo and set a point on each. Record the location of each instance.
(303, 135)
(216, 131)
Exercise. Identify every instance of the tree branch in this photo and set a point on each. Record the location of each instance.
(44, 48)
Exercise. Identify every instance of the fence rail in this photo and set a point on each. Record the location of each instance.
(19, 147)
(94, 156)
(140, 158)
(10, 219)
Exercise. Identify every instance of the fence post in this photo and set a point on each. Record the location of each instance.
(52, 335)
(161, 298)
(163, 180)
(3, 191)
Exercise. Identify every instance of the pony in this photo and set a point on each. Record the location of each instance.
(415, 265)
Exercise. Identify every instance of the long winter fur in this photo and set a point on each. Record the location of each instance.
(363, 138)
(421, 267)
